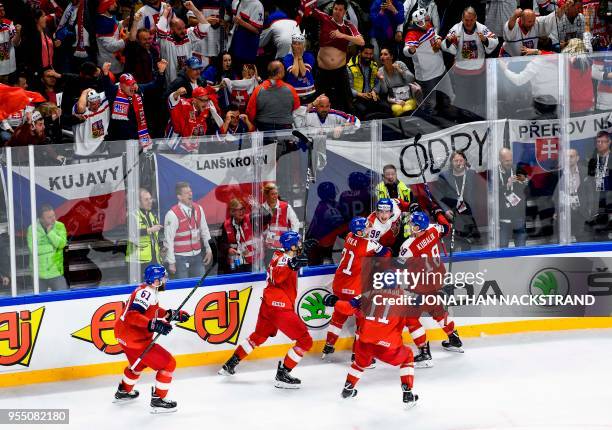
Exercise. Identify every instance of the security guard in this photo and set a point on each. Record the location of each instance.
(148, 250)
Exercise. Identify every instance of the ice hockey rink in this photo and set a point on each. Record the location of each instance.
(551, 380)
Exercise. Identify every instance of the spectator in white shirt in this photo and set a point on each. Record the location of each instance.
(279, 33)
(523, 29)
(186, 234)
(423, 44)
(319, 116)
(10, 36)
(92, 109)
(469, 41)
(176, 41)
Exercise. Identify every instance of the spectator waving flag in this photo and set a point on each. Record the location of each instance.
(15, 98)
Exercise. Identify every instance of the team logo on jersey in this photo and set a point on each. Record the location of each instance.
(18, 335)
(101, 331)
(549, 282)
(218, 316)
(312, 310)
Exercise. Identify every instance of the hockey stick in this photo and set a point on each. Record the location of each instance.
(417, 137)
(193, 290)
(310, 179)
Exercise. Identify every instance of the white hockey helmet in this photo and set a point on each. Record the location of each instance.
(418, 17)
(93, 96)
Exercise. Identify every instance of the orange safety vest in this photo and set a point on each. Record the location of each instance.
(187, 237)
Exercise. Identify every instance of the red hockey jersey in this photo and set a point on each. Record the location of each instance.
(132, 328)
(281, 288)
(376, 329)
(426, 246)
(348, 279)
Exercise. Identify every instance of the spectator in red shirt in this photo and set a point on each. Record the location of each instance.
(334, 37)
(191, 118)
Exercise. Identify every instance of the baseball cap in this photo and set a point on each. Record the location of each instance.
(194, 63)
(200, 92)
(127, 79)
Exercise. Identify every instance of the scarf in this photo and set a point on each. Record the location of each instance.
(80, 51)
(121, 107)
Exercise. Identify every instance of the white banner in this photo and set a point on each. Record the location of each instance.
(433, 149)
(584, 127)
(229, 167)
(77, 181)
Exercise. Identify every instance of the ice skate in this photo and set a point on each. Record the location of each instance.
(423, 358)
(122, 396)
(229, 368)
(161, 406)
(410, 399)
(349, 391)
(327, 351)
(284, 379)
(453, 343)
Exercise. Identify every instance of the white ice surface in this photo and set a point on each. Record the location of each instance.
(553, 381)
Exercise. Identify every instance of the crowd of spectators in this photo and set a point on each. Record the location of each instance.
(105, 68)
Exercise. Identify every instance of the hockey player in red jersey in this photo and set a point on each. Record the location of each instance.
(347, 280)
(378, 337)
(424, 243)
(134, 331)
(277, 313)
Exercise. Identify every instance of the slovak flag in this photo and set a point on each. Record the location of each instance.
(547, 153)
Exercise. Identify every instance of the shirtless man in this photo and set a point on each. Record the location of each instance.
(334, 37)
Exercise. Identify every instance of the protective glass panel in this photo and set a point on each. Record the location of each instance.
(588, 183)
(527, 94)
(216, 174)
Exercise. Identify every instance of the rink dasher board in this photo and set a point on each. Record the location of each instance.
(62, 339)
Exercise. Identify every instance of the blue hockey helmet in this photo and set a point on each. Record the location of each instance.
(384, 204)
(357, 224)
(154, 272)
(327, 191)
(289, 239)
(420, 219)
(358, 181)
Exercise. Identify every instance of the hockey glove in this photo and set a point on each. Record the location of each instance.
(180, 316)
(330, 300)
(160, 326)
(297, 262)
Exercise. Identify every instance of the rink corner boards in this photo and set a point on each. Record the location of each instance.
(37, 365)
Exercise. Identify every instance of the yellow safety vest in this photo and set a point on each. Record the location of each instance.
(148, 244)
(403, 191)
